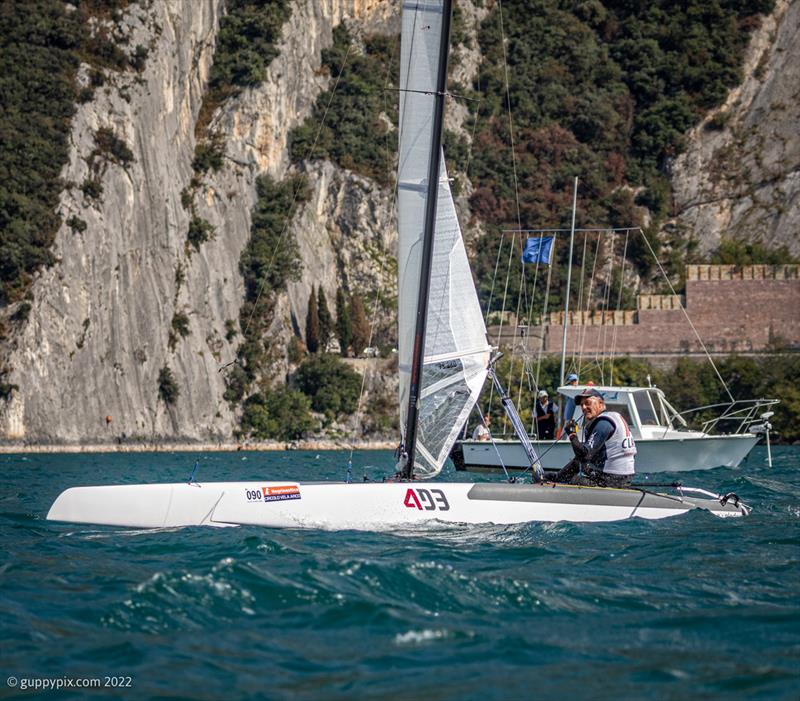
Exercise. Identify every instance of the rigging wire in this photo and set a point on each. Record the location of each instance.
(516, 180)
(589, 295)
(376, 298)
(685, 314)
(573, 365)
(619, 307)
(544, 318)
(503, 311)
(295, 195)
(604, 313)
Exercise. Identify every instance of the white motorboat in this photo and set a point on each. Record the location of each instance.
(443, 363)
(663, 442)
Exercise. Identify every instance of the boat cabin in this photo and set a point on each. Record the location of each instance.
(645, 409)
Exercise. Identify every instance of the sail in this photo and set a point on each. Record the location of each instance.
(456, 349)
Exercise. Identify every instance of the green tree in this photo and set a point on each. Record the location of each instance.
(344, 329)
(360, 325)
(312, 323)
(325, 320)
(281, 414)
(332, 386)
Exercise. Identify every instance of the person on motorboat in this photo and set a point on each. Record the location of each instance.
(546, 411)
(482, 431)
(605, 458)
(569, 405)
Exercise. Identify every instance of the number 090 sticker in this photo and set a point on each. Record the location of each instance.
(267, 494)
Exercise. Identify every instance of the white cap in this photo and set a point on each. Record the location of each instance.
(542, 393)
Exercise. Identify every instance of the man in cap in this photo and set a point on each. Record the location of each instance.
(606, 457)
(569, 405)
(545, 416)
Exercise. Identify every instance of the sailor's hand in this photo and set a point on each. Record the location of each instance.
(571, 426)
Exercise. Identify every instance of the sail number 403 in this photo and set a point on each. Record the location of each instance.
(427, 499)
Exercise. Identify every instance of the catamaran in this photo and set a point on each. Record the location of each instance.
(444, 359)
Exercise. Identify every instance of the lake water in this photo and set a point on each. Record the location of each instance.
(688, 607)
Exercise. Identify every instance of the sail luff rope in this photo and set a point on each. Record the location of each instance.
(686, 314)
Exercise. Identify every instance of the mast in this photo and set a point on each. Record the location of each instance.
(569, 281)
(418, 356)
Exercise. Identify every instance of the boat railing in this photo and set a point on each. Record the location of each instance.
(739, 414)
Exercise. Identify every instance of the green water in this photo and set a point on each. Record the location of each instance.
(687, 607)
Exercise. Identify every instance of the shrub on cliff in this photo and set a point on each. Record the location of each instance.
(330, 384)
(281, 414)
(42, 43)
(168, 389)
(358, 132)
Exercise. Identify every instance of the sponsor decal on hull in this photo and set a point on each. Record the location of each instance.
(267, 494)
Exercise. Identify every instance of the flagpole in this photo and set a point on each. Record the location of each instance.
(569, 281)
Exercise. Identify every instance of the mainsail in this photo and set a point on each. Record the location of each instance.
(456, 349)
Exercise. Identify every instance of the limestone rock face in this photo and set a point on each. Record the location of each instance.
(743, 180)
(87, 362)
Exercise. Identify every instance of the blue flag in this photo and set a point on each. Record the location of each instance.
(538, 250)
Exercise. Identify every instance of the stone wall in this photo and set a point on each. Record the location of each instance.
(742, 310)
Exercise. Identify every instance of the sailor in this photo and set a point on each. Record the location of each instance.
(569, 405)
(606, 457)
(545, 416)
(482, 430)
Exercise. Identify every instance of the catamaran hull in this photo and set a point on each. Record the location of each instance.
(653, 455)
(363, 506)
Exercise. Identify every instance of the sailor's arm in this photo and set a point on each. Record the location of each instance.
(587, 451)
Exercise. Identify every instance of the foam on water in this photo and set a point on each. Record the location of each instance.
(686, 607)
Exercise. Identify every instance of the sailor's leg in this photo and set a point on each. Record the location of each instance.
(566, 473)
(618, 481)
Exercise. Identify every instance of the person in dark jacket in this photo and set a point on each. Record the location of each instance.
(606, 457)
(546, 412)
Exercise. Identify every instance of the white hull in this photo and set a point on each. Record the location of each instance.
(364, 506)
(653, 455)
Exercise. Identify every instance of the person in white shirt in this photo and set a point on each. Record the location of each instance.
(482, 430)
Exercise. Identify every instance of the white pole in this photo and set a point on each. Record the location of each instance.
(569, 280)
(767, 426)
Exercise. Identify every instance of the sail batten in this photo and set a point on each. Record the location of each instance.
(456, 349)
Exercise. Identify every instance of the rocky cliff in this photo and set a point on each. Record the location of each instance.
(86, 363)
(740, 173)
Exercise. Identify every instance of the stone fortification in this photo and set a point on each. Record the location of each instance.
(746, 309)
